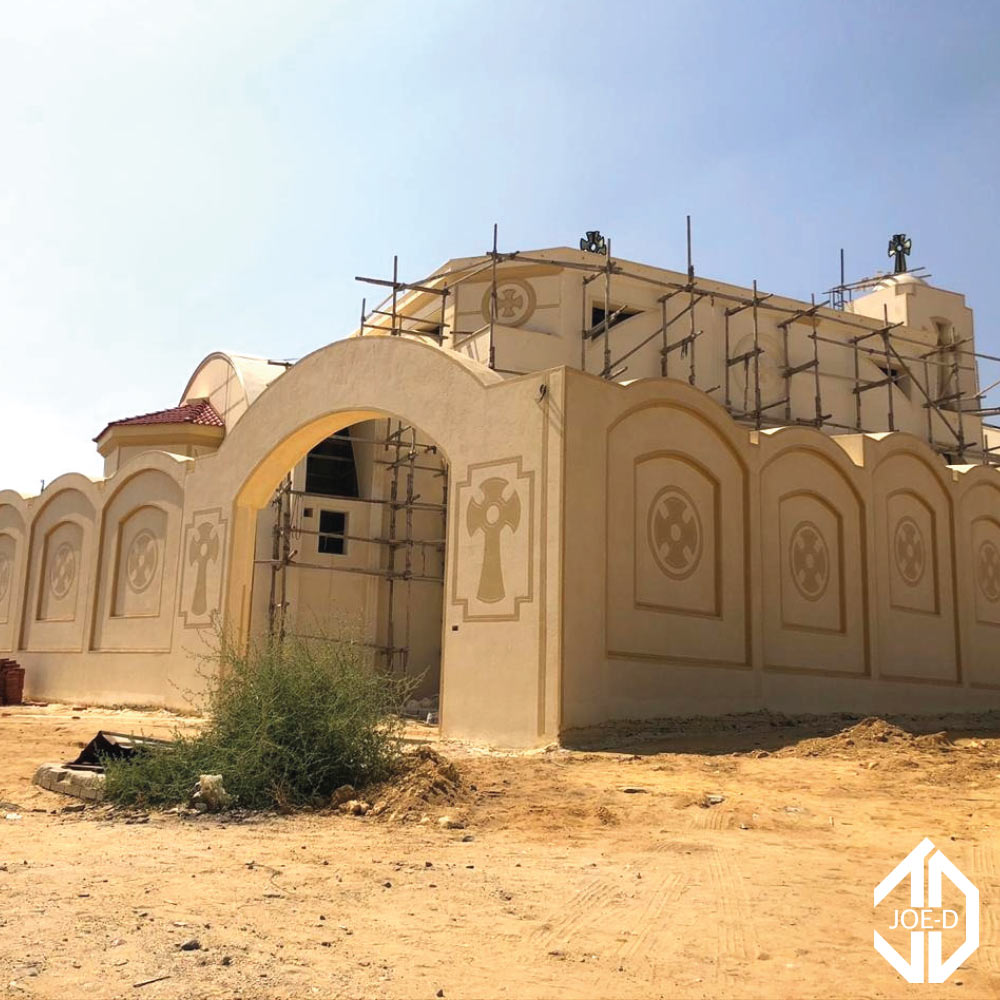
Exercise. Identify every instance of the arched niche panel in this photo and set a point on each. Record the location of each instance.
(139, 558)
(676, 552)
(913, 568)
(978, 549)
(8, 568)
(59, 593)
(12, 547)
(60, 574)
(140, 541)
(985, 559)
(814, 567)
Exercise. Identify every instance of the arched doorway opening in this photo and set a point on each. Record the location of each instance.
(352, 543)
(450, 402)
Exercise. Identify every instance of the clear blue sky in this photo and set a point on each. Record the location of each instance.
(185, 176)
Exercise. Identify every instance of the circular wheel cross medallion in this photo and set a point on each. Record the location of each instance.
(5, 574)
(63, 570)
(809, 561)
(988, 571)
(910, 553)
(674, 532)
(515, 301)
(140, 565)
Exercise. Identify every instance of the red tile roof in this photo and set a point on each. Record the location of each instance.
(195, 411)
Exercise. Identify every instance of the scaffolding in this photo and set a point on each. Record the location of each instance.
(940, 374)
(944, 412)
(915, 368)
(403, 559)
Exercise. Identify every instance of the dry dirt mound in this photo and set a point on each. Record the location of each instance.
(866, 736)
(429, 785)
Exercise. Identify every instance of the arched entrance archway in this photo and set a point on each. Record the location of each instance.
(499, 655)
(418, 392)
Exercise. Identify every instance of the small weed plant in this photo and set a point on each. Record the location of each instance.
(288, 722)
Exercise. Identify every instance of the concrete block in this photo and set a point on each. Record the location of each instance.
(87, 785)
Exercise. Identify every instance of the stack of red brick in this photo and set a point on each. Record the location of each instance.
(11, 682)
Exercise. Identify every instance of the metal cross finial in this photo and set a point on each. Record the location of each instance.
(899, 247)
(594, 242)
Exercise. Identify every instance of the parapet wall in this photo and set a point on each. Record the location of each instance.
(711, 568)
(97, 582)
(647, 556)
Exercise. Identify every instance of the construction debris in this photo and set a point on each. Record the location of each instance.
(82, 783)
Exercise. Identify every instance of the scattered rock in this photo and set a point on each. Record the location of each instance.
(450, 823)
(192, 944)
(355, 807)
(607, 816)
(934, 741)
(343, 794)
(635, 790)
(712, 799)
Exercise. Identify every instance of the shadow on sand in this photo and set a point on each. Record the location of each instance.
(763, 731)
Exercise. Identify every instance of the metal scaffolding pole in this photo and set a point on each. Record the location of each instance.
(607, 310)
(493, 299)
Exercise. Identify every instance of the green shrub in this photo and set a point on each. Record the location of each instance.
(287, 724)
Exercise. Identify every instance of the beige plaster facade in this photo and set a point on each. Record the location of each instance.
(543, 545)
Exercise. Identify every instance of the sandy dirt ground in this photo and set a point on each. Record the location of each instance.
(724, 859)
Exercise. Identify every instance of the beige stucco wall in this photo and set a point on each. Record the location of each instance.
(613, 550)
(542, 311)
(91, 576)
(812, 573)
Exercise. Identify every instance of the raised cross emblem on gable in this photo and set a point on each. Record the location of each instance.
(491, 515)
(509, 302)
(674, 532)
(141, 562)
(204, 549)
(988, 571)
(909, 551)
(810, 560)
(63, 570)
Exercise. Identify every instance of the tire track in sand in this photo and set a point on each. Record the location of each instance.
(584, 909)
(736, 939)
